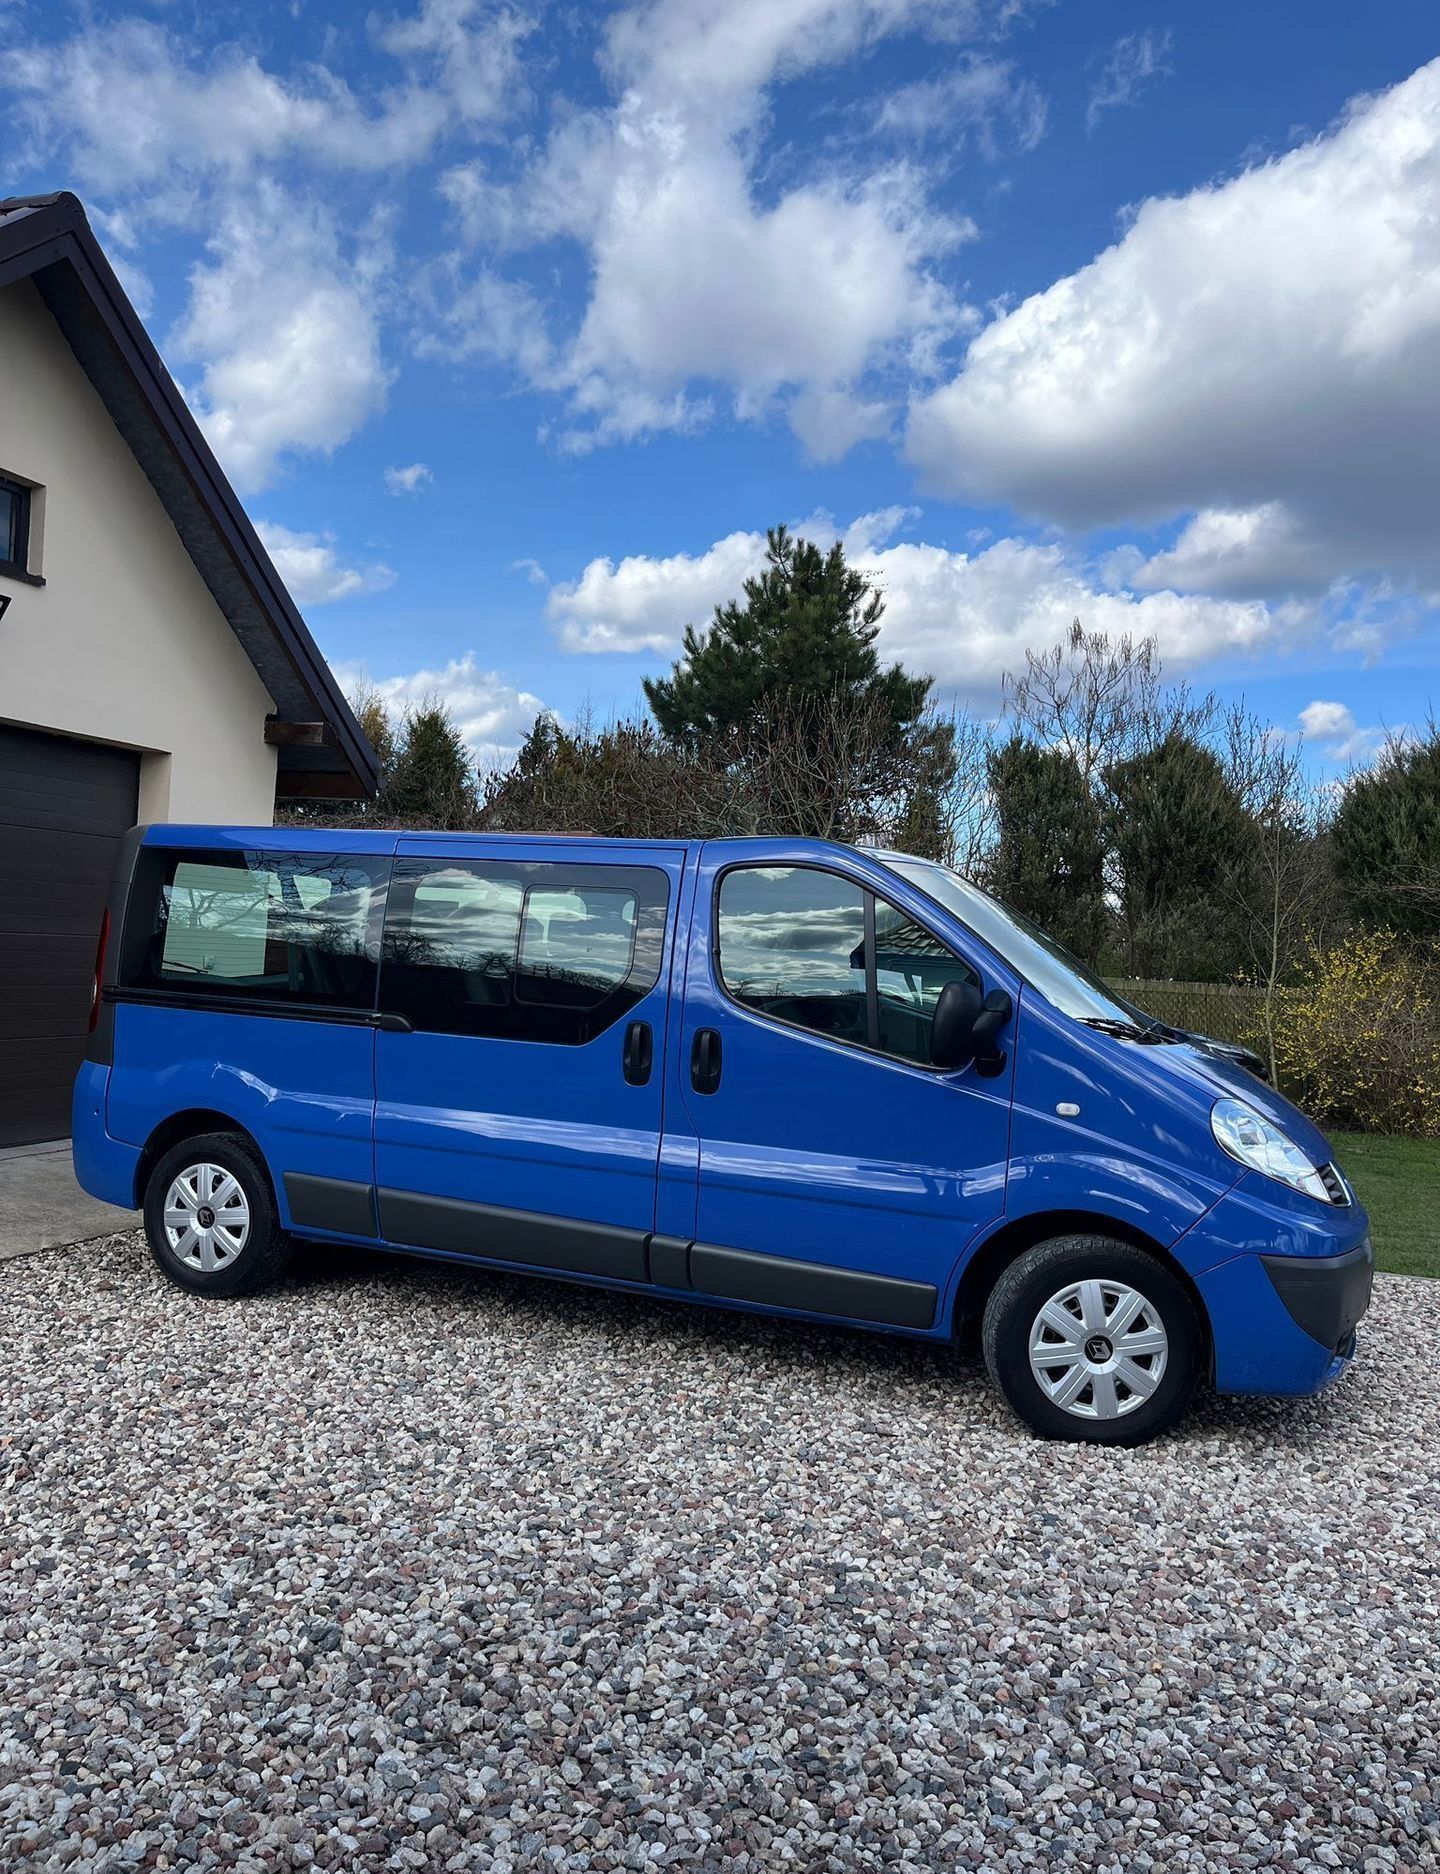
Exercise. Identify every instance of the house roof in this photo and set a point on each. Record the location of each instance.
(321, 750)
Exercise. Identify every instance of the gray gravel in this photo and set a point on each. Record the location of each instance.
(410, 1568)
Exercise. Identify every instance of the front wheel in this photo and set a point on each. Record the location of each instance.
(210, 1217)
(1092, 1340)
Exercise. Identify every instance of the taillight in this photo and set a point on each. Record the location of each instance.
(99, 970)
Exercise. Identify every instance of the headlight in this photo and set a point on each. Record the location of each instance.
(1259, 1143)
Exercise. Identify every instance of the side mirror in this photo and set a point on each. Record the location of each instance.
(965, 1028)
(984, 1035)
(956, 1013)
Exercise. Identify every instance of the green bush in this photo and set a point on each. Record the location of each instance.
(1358, 1038)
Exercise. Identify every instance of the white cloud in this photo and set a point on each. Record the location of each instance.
(1263, 353)
(966, 618)
(1260, 549)
(1327, 722)
(311, 567)
(410, 480)
(979, 99)
(825, 291)
(470, 48)
(286, 335)
(490, 713)
(1333, 729)
(644, 604)
(136, 109)
(1133, 62)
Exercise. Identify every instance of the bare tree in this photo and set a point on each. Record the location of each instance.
(1276, 881)
(834, 767)
(621, 778)
(1102, 699)
(967, 806)
(1085, 695)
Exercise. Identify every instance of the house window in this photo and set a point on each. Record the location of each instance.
(14, 526)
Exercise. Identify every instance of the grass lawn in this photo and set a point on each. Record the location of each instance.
(1398, 1182)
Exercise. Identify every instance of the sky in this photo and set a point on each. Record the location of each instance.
(516, 324)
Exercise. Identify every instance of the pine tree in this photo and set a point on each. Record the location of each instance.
(1048, 860)
(1386, 839)
(787, 685)
(805, 630)
(374, 720)
(432, 781)
(1176, 821)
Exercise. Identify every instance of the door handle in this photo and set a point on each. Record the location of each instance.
(639, 1053)
(705, 1060)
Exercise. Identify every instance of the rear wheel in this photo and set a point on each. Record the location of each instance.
(210, 1217)
(1093, 1340)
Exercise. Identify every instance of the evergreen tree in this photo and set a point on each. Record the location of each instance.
(1386, 839)
(1048, 860)
(806, 629)
(374, 720)
(431, 782)
(1175, 822)
(787, 684)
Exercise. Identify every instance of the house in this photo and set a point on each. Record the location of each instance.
(152, 664)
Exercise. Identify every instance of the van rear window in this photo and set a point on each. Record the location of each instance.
(264, 926)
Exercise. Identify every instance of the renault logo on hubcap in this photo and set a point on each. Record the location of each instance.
(1098, 1350)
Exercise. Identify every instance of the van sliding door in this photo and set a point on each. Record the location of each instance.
(523, 1005)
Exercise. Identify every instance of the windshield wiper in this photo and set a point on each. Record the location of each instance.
(1129, 1031)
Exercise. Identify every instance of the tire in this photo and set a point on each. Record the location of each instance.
(245, 1247)
(1095, 1389)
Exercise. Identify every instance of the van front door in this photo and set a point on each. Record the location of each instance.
(523, 1000)
(839, 1171)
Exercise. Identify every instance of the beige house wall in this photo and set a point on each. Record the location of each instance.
(123, 643)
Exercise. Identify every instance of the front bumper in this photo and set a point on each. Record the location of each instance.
(1325, 1296)
(1284, 1281)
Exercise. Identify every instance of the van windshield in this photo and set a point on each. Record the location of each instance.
(1060, 977)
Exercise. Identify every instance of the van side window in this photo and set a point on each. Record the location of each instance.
(575, 946)
(264, 926)
(521, 950)
(911, 968)
(792, 945)
(457, 938)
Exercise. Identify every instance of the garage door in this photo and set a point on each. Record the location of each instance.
(63, 808)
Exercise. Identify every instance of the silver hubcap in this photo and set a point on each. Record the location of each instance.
(1098, 1349)
(207, 1217)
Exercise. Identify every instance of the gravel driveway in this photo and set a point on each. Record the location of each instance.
(399, 1567)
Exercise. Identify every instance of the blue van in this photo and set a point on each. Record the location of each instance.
(773, 1074)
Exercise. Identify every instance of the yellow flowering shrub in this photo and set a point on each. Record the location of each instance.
(1358, 1038)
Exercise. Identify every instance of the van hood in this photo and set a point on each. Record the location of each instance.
(1223, 1079)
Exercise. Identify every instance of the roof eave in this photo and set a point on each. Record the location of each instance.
(37, 233)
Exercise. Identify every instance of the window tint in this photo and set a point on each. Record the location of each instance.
(288, 927)
(792, 944)
(521, 951)
(911, 968)
(576, 945)
(455, 946)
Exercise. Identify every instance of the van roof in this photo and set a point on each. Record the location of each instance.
(389, 839)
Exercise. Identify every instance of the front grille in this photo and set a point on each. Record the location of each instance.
(1336, 1188)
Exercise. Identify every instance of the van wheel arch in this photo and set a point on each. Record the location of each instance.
(997, 1252)
(193, 1124)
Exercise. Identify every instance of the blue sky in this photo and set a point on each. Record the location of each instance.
(516, 324)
